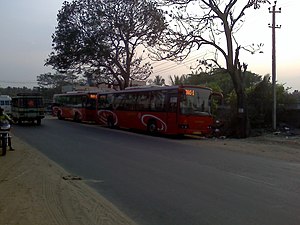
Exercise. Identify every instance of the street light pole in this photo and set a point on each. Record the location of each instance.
(274, 26)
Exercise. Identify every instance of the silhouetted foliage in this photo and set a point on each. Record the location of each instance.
(13, 91)
(178, 80)
(217, 79)
(56, 80)
(260, 100)
(100, 39)
(158, 80)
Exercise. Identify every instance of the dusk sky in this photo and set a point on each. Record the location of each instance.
(27, 26)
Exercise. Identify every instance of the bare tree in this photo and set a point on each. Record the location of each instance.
(197, 24)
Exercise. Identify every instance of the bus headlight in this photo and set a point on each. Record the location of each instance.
(183, 126)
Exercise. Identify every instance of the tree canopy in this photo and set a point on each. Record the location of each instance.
(217, 79)
(101, 38)
(56, 80)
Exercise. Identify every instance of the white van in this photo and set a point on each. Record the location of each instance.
(5, 103)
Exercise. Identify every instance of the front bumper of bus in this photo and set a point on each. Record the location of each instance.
(30, 116)
(186, 129)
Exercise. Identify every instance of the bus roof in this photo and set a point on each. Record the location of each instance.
(134, 89)
(158, 88)
(29, 94)
(77, 93)
(5, 97)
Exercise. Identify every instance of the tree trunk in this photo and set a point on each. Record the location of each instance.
(242, 125)
(242, 129)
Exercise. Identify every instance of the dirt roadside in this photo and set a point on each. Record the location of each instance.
(279, 146)
(33, 191)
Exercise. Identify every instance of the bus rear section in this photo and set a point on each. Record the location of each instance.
(28, 107)
(5, 103)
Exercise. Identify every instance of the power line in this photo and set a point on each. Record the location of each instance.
(183, 63)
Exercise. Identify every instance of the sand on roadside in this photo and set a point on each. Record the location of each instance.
(283, 146)
(33, 192)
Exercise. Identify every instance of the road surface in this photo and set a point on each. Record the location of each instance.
(162, 181)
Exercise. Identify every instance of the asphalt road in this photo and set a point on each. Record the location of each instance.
(162, 181)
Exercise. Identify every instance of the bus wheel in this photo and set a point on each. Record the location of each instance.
(110, 122)
(152, 127)
(76, 118)
(59, 116)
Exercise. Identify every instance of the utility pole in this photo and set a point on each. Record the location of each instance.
(274, 26)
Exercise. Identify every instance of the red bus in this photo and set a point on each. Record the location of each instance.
(165, 110)
(78, 106)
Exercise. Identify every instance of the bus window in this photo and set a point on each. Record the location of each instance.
(91, 103)
(118, 101)
(195, 102)
(75, 101)
(158, 101)
(104, 101)
(172, 105)
(28, 103)
(143, 101)
(126, 101)
(129, 101)
(110, 100)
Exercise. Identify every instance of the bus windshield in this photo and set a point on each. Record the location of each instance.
(30, 103)
(195, 101)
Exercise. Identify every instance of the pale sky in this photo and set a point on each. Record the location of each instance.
(27, 26)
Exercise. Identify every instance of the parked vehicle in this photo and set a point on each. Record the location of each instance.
(158, 110)
(171, 110)
(28, 107)
(78, 106)
(5, 103)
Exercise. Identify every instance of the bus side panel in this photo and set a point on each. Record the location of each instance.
(171, 106)
(172, 123)
(127, 119)
(66, 112)
(70, 113)
(139, 120)
(90, 115)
